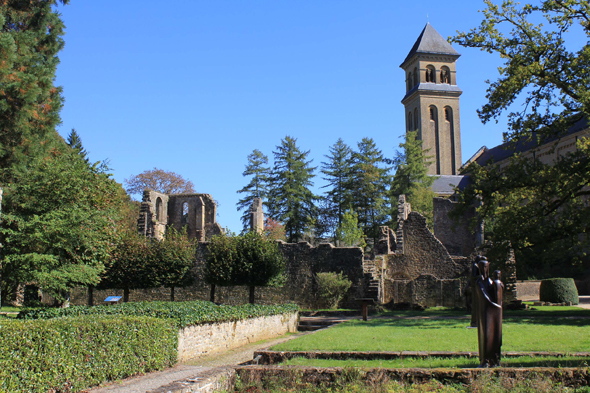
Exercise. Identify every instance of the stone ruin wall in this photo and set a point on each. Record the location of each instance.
(458, 236)
(303, 261)
(158, 211)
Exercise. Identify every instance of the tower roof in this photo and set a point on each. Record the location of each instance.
(430, 41)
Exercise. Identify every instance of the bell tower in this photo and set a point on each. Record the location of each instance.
(432, 100)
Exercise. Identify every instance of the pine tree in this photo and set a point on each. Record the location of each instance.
(75, 142)
(290, 200)
(258, 185)
(370, 180)
(338, 174)
(411, 177)
(30, 38)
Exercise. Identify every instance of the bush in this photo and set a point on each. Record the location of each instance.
(559, 290)
(331, 289)
(182, 313)
(73, 354)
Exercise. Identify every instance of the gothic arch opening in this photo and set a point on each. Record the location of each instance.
(450, 131)
(445, 75)
(430, 74)
(184, 217)
(410, 123)
(416, 75)
(159, 209)
(409, 80)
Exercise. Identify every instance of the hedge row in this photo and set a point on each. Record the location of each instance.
(72, 354)
(182, 313)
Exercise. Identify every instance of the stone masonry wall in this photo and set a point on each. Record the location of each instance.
(303, 262)
(457, 236)
(199, 340)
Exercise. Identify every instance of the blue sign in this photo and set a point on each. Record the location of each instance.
(113, 299)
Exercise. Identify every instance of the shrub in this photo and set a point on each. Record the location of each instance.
(559, 290)
(331, 289)
(182, 313)
(72, 354)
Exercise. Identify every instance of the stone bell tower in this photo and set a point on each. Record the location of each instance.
(432, 100)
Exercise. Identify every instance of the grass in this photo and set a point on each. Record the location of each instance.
(437, 362)
(9, 309)
(537, 331)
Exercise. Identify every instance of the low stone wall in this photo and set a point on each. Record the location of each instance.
(528, 290)
(199, 340)
(427, 291)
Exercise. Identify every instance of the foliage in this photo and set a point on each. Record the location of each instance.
(370, 182)
(559, 290)
(290, 200)
(411, 177)
(274, 230)
(536, 207)
(176, 258)
(258, 185)
(250, 259)
(59, 223)
(182, 313)
(73, 354)
(158, 180)
(220, 260)
(331, 289)
(338, 175)
(30, 38)
(75, 142)
(132, 264)
(349, 232)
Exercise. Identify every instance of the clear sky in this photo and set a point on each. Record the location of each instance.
(194, 86)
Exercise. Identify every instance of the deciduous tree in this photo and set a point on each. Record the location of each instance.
(158, 180)
(544, 84)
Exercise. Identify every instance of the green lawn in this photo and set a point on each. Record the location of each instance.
(554, 333)
(436, 362)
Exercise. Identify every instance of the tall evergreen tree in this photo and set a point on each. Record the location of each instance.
(75, 142)
(370, 180)
(337, 172)
(258, 185)
(411, 177)
(30, 38)
(290, 200)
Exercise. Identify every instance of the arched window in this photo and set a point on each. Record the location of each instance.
(416, 118)
(445, 75)
(409, 81)
(448, 114)
(430, 74)
(433, 113)
(184, 217)
(416, 75)
(158, 209)
(410, 125)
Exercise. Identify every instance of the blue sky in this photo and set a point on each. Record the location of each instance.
(194, 86)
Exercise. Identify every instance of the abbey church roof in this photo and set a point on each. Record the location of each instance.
(430, 41)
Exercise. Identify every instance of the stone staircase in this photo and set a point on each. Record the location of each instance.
(372, 278)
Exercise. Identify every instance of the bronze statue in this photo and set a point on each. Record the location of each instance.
(488, 312)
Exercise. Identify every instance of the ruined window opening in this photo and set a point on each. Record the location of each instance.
(430, 74)
(184, 217)
(445, 75)
(158, 209)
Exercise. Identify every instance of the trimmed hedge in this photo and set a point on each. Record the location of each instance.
(559, 290)
(72, 354)
(182, 313)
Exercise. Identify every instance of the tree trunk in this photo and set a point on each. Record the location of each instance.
(212, 294)
(91, 296)
(251, 299)
(125, 295)
(171, 294)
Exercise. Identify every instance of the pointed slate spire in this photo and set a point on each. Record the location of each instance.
(430, 41)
